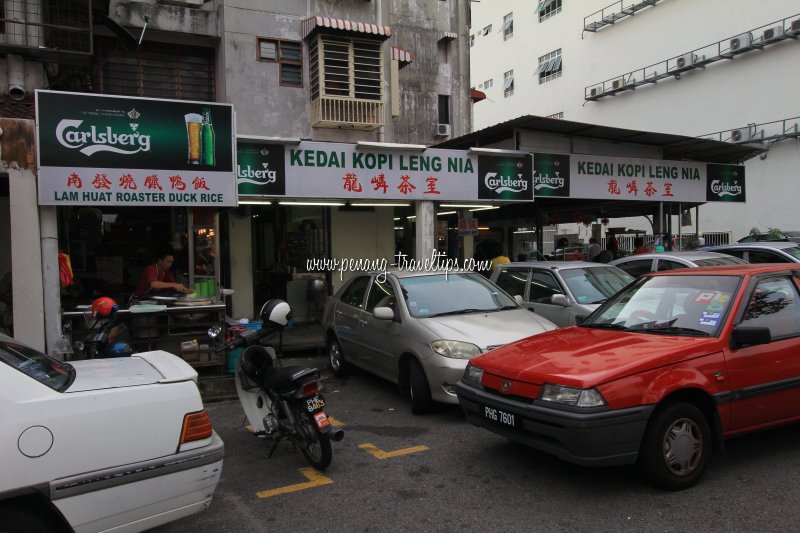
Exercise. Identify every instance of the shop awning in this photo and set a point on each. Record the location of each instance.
(476, 95)
(313, 24)
(404, 57)
(447, 36)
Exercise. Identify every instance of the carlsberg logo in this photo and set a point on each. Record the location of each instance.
(505, 183)
(725, 189)
(90, 141)
(257, 177)
(548, 182)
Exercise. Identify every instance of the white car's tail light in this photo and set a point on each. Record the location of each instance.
(196, 426)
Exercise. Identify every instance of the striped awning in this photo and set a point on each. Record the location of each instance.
(404, 57)
(313, 24)
(447, 35)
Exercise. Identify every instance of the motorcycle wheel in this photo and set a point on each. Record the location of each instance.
(315, 446)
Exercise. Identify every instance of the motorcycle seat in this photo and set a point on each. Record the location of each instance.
(282, 378)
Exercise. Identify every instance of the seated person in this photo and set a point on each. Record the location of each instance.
(157, 278)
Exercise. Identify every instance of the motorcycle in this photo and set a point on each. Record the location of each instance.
(110, 340)
(280, 402)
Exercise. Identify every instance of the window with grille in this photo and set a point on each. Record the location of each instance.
(346, 68)
(486, 30)
(288, 54)
(155, 70)
(488, 83)
(559, 115)
(548, 8)
(508, 83)
(508, 26)
(471, 41)
(444, 109)
(549, 66)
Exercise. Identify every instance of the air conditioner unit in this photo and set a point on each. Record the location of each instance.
(744, 135)
(794, 29)
(686, 60)
(775, 32)
(618, 83)
(594, 91)
(742, 42)
(443, 130)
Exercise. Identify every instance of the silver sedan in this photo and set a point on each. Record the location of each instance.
(638, 265)
(419, 329)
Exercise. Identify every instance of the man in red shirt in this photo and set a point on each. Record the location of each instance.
(158, 276)
(638, 242)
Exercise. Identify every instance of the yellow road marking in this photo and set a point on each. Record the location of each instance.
(380, 454)
(336, 423)
(315, 479)
(249, 428)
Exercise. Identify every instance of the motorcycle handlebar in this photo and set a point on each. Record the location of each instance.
(243, 339)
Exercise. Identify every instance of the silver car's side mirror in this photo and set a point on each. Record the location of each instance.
(383, 313)
(518, 299)
(559, 299)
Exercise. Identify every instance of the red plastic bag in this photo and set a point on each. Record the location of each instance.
(65, 275)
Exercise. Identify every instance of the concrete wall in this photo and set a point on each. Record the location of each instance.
(755, 87)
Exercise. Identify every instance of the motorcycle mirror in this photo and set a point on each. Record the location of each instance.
(214, 331)
(78, 346)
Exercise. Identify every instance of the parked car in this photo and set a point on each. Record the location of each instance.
(571, 253)
(774, 237)
(638, 265)
(564, 292)
(762, 252)
(419, 329)
(121, 443)
(671, 364)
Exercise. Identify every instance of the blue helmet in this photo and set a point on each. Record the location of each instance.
(118, 349)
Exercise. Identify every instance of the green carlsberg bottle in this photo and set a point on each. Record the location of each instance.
(209, 148)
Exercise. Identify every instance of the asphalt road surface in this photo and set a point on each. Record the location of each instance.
(395, 471)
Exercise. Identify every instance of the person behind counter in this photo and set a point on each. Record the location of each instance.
(157, 277)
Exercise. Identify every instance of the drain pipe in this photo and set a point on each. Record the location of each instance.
(15, 66)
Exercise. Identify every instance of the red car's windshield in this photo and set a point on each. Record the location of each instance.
(681, 305)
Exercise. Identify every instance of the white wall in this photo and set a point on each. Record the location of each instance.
(755, 87)
(375, 237)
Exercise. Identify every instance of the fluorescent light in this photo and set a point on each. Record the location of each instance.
(397, 218)
(412, 217)
(483, 228)
(526, 231)
(254, 202)
(282, 140)
(398, 227)
(391, 146)
(312, 203)
(379, 205)
(447, 213)
(497, 151)
(465, 206)
(486, 208)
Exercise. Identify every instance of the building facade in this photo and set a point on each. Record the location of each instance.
(382, 71)
(716, 69)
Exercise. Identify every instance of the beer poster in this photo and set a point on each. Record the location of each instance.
(112, 150)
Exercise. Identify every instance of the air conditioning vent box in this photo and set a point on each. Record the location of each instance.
(775, 32)
(443, 130)
(684, 61)
(742, 42)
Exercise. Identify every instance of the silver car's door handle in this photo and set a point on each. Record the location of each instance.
(362, 322)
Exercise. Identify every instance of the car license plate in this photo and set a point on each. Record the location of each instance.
(315, 403)
(500, 417)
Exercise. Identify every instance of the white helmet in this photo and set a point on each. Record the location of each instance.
(276, 313)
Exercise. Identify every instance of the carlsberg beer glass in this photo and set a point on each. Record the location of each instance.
(194, 123)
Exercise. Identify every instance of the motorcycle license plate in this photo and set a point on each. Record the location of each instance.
(315, 403)
(321, 419)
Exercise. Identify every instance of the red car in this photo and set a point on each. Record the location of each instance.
(674, 363)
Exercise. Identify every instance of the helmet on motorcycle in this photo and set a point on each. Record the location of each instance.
(103, 307)
(118, 349)
(276, 313)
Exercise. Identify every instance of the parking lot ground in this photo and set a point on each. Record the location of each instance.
(468, 479)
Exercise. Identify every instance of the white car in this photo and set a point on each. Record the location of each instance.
(120, 444)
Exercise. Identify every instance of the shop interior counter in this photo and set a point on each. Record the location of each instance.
(170, 327)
